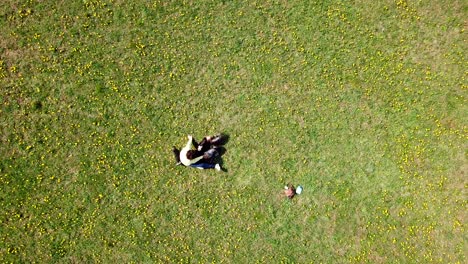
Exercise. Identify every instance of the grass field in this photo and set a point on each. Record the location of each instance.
(363, 103)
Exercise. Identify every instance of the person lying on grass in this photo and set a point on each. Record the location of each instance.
(201, 156)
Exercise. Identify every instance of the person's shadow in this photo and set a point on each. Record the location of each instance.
(224, 139)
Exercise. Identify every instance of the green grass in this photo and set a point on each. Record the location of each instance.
(363, 104)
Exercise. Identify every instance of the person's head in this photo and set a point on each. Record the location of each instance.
(191, 154)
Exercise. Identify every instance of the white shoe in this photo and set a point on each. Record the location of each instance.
(217, 167)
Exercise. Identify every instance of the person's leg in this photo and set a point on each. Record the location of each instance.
(203, 165)
(204, 145)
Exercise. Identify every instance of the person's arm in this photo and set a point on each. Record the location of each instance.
(195, 160)
(189, 144)
(184, 150)
(187, 148)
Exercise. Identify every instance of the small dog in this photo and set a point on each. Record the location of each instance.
(289, 191)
